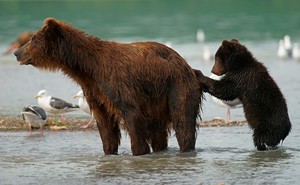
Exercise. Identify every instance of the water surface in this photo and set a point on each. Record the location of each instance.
(223, 155)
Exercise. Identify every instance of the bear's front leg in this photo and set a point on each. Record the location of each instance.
(108, 126)
(109, 130)
(224, 89)
(138, 133)
(110, 135)
(206, 82)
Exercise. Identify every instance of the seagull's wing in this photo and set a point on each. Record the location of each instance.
(61, 104)
(39, 112)
(234, 103)
(22, 113)
(25, 110)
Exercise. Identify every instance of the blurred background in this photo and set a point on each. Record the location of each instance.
(258, 24)
(167, 20)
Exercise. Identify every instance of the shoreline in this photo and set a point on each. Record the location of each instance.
(16, 123)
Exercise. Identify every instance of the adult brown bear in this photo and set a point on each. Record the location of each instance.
(146, 85)
(247, 79)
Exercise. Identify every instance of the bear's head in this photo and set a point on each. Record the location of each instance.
(230, 56)
(47, 47)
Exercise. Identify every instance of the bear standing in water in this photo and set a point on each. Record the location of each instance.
(247, 79)
(146, 85)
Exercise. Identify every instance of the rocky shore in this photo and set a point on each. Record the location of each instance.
(16, 123)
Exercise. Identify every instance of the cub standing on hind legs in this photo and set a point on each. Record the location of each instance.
(247, 79)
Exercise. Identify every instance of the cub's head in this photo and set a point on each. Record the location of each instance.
(46, 47)
(230, 56)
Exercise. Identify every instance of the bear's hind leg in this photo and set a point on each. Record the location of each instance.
(264, 139)
(185, 129)
(184, 109)
(159, 137)
(186, 136)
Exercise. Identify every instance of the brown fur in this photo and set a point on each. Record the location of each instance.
(248, 80)
(146, 85)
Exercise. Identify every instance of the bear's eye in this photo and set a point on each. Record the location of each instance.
(33, 37)
(37, 42)
(33, 41)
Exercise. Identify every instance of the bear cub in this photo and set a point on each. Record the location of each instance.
(247, 79)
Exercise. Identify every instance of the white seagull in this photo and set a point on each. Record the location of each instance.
(236, 103)
(84, 106)
(206, 55)
(296, 51)
(35, 116)
(169, 44)
(53, 105)
(200, 36)
(282, 52)
(288, 44)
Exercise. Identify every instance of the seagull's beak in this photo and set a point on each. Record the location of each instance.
(36, 97)
(75, 96)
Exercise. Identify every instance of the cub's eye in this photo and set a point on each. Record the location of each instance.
(218, 59)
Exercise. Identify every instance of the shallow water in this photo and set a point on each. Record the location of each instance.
(223, 154)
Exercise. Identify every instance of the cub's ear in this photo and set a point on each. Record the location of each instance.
(228, 45)
(225, 42)
(235, 40)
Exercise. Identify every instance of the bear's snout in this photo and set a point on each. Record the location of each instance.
(16, 53)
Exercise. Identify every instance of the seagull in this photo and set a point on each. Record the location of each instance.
(169, 44)
(296, 51)
(35, 116)
(200, 35)
(207, 56)
(82, 103)
(282, 52)
(287, 44)
(84, 106)
(53, 105)
(236, 103)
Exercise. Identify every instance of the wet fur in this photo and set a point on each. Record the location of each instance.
(247, 79)
(145, 85)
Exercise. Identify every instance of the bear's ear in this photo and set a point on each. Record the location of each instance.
(53, 27)
(227, 45)
(52, 23)
(225, 42)
(235, 40)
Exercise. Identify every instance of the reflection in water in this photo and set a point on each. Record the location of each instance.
(271, 157)
(160, 168)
